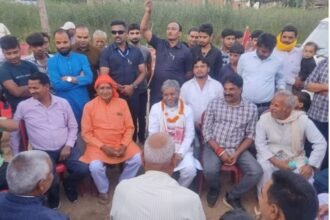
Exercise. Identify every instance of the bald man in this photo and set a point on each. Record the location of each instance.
(150, 196)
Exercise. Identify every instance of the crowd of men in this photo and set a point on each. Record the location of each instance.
(209, 107)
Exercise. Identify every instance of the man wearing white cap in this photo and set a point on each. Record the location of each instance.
(70, 27)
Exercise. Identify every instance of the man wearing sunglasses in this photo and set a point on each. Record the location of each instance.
(125, 64)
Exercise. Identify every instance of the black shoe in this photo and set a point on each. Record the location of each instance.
(212, 197)
(232, 203)
(70, 191)
(54, 203)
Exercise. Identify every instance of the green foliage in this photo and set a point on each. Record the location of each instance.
(22, 20)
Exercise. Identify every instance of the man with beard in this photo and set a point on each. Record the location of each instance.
(262, 70)
(290, 55)
(134, 36)
(173, 58)
(206, 89)
(51, 127)
(125, 65)
(69, 74)
(192, 37)
(228, 139)
(39, 56)
(83, 46)
(207, 50)
(173, 116)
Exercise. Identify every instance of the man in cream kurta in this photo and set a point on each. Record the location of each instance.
(280, 138)
(172, 116)
(155, 195)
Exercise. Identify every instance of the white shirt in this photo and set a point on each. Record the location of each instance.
(273, 137)
(291, 63)
(198, 98)
(261, 77)
(155, 196)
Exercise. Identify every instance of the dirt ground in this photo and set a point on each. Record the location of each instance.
(87, 207)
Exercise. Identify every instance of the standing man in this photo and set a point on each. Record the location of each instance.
(227, 41)
(124, 63)
(235, 53)
(317, 82)
(173, 116)
(70, 27)
(173, 59)
(228, 138)
(14, 72)
(155, 195)
(134, 37)
(100, 39)
(39, 56)
(192, 37)
(206, 49)
(260, 69)
(83, 46)
(206, 89)
(52, 127)
(290, 54)
(70, 74)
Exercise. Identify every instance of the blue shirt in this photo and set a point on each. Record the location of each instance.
(261, 77)
(19, 73)
(171, 63)
(123, 65)
(75, 65)
(13, 207)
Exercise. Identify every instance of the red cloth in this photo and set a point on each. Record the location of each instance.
(246, 36)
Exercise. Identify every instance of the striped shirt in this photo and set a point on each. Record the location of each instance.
(319, 108)
(229, 125)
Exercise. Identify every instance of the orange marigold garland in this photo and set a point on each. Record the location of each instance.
(175, 118)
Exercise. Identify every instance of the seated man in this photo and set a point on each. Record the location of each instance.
(29, 177)
(155, 195)
(280, 139)
(172, 116)
(287, 196)
(52, 127)
(229, 130)
(107, 129)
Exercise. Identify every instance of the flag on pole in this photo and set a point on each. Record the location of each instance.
(246, 36)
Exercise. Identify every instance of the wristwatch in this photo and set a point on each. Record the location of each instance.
(69, 79)
(134, 86)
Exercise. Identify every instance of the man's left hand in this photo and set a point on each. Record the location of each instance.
(233, 159)
(127, 90)
(306, 171)
(65, 152)
(121, 151)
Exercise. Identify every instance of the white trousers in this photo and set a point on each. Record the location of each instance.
(98, 172)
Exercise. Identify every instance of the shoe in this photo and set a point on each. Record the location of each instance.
(232, 203)
(104, 198)
(54, 204)
(70, 192)
(212, 197)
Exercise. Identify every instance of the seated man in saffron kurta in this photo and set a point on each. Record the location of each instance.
(107, 129)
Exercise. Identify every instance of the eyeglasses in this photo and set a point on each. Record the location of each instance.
(117, 32)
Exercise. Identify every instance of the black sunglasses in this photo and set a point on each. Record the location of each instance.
(117, 32)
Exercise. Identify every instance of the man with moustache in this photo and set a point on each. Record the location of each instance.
(206, 49)
(173, 116)
(100, 39)
(51, 127)
(134, 37)
(206, 89)
(173, 58)
(229, 130)
(70, 74)
(192, 37)
(125, 65)
(84, 46)
(39, 56)
(261, 69)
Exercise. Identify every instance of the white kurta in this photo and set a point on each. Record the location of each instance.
(155, 195)
(156, 120)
